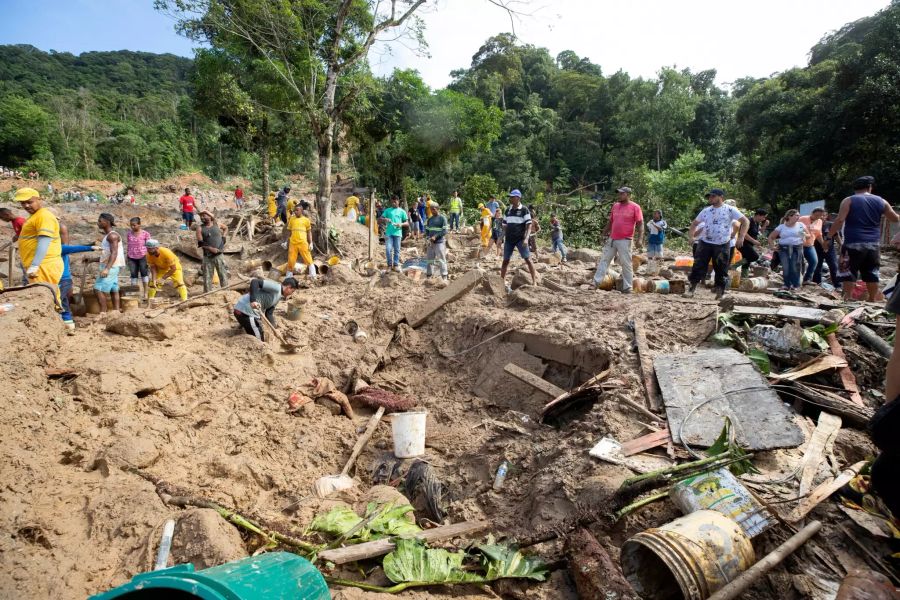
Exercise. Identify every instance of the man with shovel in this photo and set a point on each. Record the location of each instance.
(260, 303)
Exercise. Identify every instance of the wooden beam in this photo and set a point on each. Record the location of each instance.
(848, 379)
(823, 437)
(640, 336)
(821, 493)
(541, 385)
(645, 442)
(340, 556)
(456, 290)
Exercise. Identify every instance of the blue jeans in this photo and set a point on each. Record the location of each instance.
(790, 264)
(392, 250)
(454, 220)
(65, 288)
(558, 245)
(809, 255)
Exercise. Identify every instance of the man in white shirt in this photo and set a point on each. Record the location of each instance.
(714, 240)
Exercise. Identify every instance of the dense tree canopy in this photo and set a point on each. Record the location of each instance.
(558, 128)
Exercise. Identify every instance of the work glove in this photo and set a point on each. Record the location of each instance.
(32, 271)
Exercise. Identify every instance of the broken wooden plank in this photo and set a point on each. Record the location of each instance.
(873, 340)
(593, 382)
(645, 442)
(701, 389)
(821, 363)
(823, 437)
(456, 290)
(821, 493)
(541, 385)
(858, 416)
(340, 556)
(848, 379)
(640, 336)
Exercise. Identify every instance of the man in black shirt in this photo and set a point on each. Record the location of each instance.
(749, 251)
(211, 239)
(517, 225)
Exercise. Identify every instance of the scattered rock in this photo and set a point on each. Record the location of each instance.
(585, 254)
(130, 451)
(205, 539)
(493, 284)
(158, 329)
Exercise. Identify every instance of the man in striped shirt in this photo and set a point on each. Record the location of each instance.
(517, 225)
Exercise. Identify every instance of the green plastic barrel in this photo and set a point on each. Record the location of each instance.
(271, 576)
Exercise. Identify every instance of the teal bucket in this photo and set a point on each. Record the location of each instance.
(271, 576)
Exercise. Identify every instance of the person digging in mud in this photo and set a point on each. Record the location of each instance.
(164, 265)
(65, 282)
(714, 240)
(112, 259)
(260, 302)
(517, 228)
(436, 234)
(211, 239)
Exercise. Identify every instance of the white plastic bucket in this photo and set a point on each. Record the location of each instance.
(409, 433)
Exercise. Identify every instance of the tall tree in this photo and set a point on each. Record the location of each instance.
(314, 46)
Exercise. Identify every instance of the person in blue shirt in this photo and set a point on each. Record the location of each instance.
(65, 282)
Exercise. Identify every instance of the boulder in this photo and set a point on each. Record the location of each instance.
(205, 539)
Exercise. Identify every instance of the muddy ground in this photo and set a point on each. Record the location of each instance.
(187, 398)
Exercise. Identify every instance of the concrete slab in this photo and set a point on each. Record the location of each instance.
(705, 387)
(456, 290)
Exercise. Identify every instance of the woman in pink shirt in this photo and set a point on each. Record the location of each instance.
(813, 224)
(136, 254)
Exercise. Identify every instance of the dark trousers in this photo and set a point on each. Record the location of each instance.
(749, 256)
(251, 325)
(702, 255)
(829, 257)
(281, 213)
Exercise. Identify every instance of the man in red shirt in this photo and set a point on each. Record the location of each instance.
(238, 196)
(626, 221)
(187, 209)
(17, 222)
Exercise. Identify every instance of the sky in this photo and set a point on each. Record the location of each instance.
(738, 39)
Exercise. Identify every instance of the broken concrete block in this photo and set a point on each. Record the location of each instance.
(493, 284)
(456, 290)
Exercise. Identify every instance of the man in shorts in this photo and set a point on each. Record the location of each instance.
(860, 216)
(517, 227)
(187, 209)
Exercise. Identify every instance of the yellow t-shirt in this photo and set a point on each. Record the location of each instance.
(351, 202)
(41, 223)
(273, 208)
(164, 262)
(298, 226)
(291, 203)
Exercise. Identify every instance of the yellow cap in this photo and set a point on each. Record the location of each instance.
(26, 194)
(481, 206)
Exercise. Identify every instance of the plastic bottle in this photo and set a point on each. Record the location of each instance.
(501, 475)
(165, 545)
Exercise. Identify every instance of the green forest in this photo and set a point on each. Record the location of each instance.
(557, 127)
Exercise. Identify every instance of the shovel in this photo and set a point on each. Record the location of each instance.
(329, 484)
(284, 344)
(183, 302)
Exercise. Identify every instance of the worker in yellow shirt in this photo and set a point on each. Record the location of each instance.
(164, 265)
(300, 242)
(291, 204)
(273, 207)
(351, 203)
(485, 229)
(40, 248)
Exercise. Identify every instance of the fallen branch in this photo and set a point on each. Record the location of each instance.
(873, 340)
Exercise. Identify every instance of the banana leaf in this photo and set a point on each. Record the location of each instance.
(391, 521)
(413, 561)
(725, 445)
(500, 562)
(336, 522)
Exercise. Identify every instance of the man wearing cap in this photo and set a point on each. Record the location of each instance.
(164, 265)
(714, 241)
(40, 248)
(260, 303)
(626, 221)
(517, 225)
(860, 216)
(436, 236)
